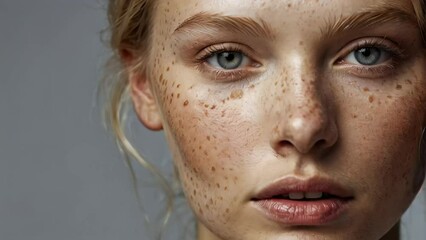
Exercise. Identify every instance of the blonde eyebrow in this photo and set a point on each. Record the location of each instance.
(368, 18)
(242, 25)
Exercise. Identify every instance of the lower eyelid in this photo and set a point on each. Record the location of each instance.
(228, 75)
(377, 71)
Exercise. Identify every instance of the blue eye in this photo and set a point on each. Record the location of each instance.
(228, 60)
(368, 56)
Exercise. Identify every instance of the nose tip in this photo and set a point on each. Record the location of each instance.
(306, 132)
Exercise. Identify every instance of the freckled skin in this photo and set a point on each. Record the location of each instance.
(237, 94)
(229, 140)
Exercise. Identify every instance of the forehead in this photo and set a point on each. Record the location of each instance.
(311, 15)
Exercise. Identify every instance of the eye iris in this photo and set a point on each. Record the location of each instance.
(368, 55)
(229, 60)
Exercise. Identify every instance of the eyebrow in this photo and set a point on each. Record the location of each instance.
(250, 27)
(368, 18)
(241, 25)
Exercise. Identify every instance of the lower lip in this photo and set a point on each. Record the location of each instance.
(303, 213)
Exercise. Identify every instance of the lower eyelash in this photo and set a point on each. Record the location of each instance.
(220, 75)
(384, 69)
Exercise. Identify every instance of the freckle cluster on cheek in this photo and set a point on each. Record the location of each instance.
(208, 197)
(199, 157)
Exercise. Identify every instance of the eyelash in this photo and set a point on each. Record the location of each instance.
(223, 74)
(377, 70)
(364, 71)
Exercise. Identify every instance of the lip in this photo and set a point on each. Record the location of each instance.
(299, 212)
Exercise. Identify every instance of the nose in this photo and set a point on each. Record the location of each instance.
(305, 121)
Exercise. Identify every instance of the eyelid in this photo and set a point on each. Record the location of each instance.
(382, 43)
(224, 47)
(251, 68)
(372, 71)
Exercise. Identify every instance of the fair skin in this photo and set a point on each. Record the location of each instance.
(301, 103)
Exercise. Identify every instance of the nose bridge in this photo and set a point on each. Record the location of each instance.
(305, 97)
(302, 93)
(303, 118)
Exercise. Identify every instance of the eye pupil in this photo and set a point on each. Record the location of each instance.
(366, 52)
(229, 56)
(368, 55)
(230, 60)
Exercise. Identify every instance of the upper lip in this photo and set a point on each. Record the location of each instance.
(288, 185)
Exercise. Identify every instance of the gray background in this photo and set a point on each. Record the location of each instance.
(61, 176)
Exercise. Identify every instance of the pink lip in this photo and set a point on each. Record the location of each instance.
(299, 212)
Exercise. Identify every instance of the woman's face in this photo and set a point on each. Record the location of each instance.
(290, 119)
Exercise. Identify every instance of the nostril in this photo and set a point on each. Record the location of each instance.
(285, 144)
(284, 148)
(320, 143)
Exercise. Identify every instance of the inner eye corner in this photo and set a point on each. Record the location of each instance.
(338, 61)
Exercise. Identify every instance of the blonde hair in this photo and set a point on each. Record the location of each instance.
(130, 28)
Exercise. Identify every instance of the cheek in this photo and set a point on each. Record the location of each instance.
(387, 135)
(199, 133)
(212, 136)
(204, 158)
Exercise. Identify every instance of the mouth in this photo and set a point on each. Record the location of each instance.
(295, 202)
(305, 196)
